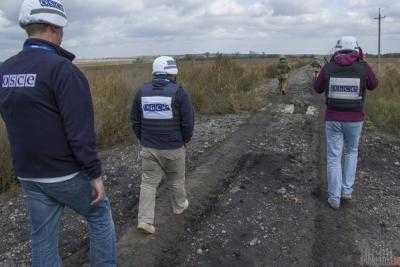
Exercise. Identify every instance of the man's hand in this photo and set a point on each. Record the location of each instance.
(97, 190)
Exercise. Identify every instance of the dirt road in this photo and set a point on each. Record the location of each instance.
(257, 194)
(258, 198)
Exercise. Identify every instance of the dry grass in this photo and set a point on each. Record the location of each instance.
(113, 88)
(5, 164)
(383, 104)
(224, 85)
(216, 86)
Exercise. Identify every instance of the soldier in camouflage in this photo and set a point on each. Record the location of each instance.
(283, 70)
(316, 67)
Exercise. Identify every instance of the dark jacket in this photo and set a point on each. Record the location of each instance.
(162, 115)
(46, 104)
(343, 60)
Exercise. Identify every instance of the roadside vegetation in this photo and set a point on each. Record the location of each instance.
(384, 103)
(224, 85)
(113, 88)
(217, 86)
(5, 164)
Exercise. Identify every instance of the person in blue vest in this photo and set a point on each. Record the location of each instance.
(163, 121)
(46, 104)
(345, 81)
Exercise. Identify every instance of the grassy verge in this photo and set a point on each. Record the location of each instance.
(384, 103)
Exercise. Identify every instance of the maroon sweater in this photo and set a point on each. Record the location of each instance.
(346, 59)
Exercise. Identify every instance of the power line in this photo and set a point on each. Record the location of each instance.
(379, 18)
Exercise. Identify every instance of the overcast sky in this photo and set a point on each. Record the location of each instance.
(107, 28)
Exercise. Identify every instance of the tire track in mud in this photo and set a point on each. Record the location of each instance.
(335, 243)
(204, 184)
(250, 224)
(334, 231)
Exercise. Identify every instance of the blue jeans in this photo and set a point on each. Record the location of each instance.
(342, 139)
(46, 202)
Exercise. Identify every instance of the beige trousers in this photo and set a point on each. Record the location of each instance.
(155, 165)
(283, 84)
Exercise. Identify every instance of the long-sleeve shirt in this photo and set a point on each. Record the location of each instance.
(46, 104)
(345, 59)
(162, 115)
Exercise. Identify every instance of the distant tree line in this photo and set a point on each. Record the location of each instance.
(389, 55)
(238, 55)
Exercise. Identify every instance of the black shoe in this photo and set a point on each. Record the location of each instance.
(347, 197)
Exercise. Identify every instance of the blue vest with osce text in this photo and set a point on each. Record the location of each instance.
(161, 121)
(345, 86)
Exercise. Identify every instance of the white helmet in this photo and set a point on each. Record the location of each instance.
(346, 43)
(43, 11)
(165, 65)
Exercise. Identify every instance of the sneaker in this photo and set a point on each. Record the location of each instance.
(146, 228)
(333, 204)
(181, 210)
(347, 197)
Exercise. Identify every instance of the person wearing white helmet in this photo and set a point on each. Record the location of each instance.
(163, 121)
(46, 104)
(345, 81)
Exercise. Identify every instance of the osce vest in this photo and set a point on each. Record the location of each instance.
(345, 86)
(159, 108)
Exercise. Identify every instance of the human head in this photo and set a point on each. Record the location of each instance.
(347, 43)
(282, 58)
(44, 19)
(165, 65)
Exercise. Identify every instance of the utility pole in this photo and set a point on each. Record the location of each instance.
(379, 18)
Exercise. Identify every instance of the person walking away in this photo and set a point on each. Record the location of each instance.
(163, 121)
(283, 70)
(46, 105)
(345, 81)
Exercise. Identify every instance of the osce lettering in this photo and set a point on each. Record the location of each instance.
(345, 88)
(171, 62)
(18, 80)
(53, 4)
(157, 108)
